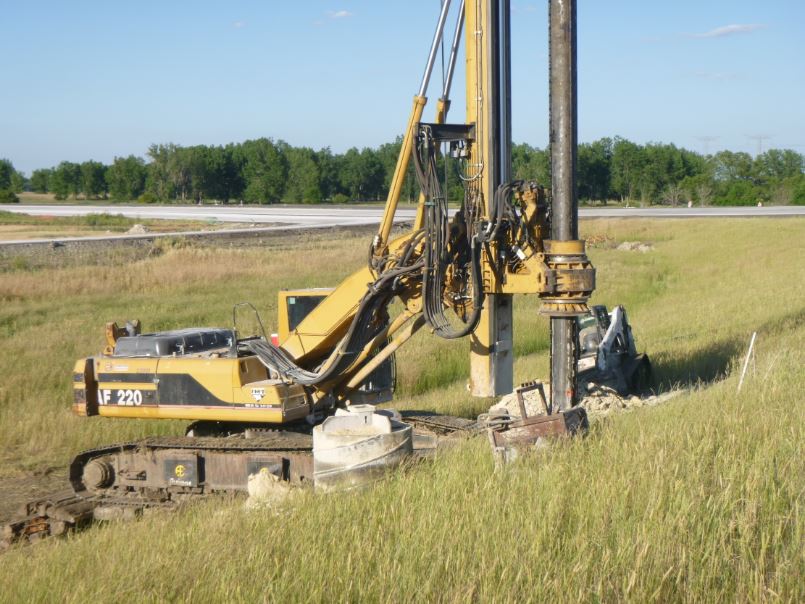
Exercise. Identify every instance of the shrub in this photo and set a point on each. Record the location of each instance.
(738, 193)
(798, 197)
(7, 196)
(147, 197)
(340, 198)
(105, 221)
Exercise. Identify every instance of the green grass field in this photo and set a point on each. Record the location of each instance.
(696, 500)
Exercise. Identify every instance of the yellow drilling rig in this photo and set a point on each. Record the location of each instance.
(452, 274)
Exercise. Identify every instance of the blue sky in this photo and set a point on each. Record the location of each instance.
(93, 80)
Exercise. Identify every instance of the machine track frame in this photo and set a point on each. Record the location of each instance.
(223, 465)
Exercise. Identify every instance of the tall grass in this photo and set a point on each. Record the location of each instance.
(696, 501)
(699, 500)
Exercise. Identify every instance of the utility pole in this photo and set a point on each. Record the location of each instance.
(489, 107)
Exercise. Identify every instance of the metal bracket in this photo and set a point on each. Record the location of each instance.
(442, 133)
(530, 431)
(501, 346)
(530, 387)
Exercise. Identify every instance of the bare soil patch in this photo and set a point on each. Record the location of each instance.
(16, 491)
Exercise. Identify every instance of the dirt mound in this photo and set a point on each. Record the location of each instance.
(603, 400)
(138, 229)
(635, 246)
(598, 400)
(532, 401)
(599, 240)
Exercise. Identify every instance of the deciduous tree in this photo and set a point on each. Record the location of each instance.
(126, 178)
(304, 176)
(265, 170)
(594, 170)
(40, 180)
(6, 170)
(93, 179)
(66, 180)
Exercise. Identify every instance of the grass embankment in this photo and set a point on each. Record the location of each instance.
(14, 226)
(700, 499)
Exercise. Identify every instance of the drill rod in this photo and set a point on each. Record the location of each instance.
(564, 202)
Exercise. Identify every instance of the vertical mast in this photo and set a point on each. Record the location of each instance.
(488, 106)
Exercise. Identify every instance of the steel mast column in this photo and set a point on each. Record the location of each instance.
(488, 106)
(565, 211)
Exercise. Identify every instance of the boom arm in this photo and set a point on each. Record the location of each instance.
(325, 325)
(495, 246)
(420, 100)
(442, 270)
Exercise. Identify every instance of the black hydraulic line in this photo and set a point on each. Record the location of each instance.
(435, 256)
(364, 326)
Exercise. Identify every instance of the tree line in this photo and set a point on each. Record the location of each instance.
(657, 173)
(267, 171)
(255, 171)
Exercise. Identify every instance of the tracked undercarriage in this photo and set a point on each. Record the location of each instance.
(125, 480)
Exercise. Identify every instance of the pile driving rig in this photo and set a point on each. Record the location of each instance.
(453, 275)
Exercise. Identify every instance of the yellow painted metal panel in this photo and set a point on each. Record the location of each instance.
(328, 322)
(217, 376)
(126, 365)
(127, 385)
(187, 412)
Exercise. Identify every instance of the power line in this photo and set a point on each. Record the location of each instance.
(759, 138)
(707, 140)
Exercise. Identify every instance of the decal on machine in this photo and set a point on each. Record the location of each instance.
(258, 394)
(124, 398)
(181, 472)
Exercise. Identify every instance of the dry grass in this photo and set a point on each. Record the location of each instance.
(37, 198)
(15, 226)
(699, 500)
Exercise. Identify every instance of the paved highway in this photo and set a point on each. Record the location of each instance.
(312, 216)
(295, 217)
(710, 212)
(300, 216)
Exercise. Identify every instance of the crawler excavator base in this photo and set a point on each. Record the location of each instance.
(126, 480)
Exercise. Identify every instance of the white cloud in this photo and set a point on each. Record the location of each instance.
(340, 14)
(239, 24)
(717, 76)
(729, 30)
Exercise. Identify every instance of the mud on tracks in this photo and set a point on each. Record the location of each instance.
(18, 489)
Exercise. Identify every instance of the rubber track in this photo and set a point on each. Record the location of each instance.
(55, 513)
(446, 424)
(52, 514)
